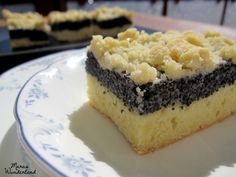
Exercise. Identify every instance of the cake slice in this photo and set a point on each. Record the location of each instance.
(161, 87)
(70, 26)
(26, 30)
(110, 21)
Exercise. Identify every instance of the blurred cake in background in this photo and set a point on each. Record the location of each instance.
(30, 30)
(111, 21)
(70, 26)
(26, 30)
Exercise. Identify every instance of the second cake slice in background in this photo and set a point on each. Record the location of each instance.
(26, 30)
(111, 21)
(70, 26)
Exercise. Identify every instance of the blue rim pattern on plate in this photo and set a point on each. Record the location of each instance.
(71, 162)
(20, 127)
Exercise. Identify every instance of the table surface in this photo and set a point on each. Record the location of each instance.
(167, 23)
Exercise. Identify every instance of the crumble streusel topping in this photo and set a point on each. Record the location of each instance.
(145, 57)
(31, 15)
(224, 47)
(28, 20)
(70, 15)
(105, 13)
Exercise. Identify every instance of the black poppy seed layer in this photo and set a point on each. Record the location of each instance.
(33, 35)
(120, 21)
(166, 92)
(77, 25)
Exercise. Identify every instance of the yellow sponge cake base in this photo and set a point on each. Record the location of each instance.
(151, 131)
(110, 31)
(73, 35)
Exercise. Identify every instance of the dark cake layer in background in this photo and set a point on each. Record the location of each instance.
(116, 22)
(33, 35)
(121, 21)
(70, 25)
(165, 93)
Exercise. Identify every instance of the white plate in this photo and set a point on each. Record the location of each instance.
(10, 83)
(65, 135)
